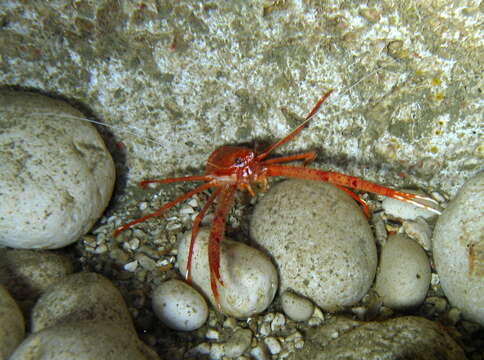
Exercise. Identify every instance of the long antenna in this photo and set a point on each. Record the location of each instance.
(313, 112)
(122, 129)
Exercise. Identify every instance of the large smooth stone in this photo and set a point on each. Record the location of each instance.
(57, 175)
(81, 296)
(28, 273)
(458, 248)
(84, 340)
(249, 276)
(320, 240)
(407, 337)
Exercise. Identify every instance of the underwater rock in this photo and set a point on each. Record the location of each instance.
(296, 307)
(404, 276)
(28, 273)
(179, 306)
(57, 175)
(12, 327)
(84, 340)
(458, 249)
(408, 337)
(249, 276)
(78, 297)
(320, 240)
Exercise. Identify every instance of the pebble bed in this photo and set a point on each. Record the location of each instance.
(141, 259)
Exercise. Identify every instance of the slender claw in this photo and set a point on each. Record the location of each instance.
(419, 204)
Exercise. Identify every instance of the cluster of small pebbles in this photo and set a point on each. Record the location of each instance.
(317, 281)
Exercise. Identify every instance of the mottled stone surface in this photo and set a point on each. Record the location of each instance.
(407, 337)
(195, 75)
(458, 247)
(57, 175)
(319, 239)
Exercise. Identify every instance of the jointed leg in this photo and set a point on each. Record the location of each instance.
(307, 157)
(349, 181)
(366, 209)
(144, 184)
(196, 226)
(164, 207)
(217, 232)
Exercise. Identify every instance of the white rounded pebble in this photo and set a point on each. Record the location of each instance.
(179, 306)
(260, 352)
(57, 179)
(131, 266)
(296, 307)
(273, 345)
(250, 278)
(12, 327)
(212, 334)
(407, 211)
(320, 240)
(278, 322)
(458, 249)
(420, 231)
(404, 276)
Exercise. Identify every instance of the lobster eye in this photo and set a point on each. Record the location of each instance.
(238, 161)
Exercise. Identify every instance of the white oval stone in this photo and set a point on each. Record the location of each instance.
(296, 307)
(320, 240)
(404, 276)
(57, 175)
(179, 306)
(458, 248)
(249, 276)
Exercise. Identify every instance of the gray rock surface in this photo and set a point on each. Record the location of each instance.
(12, 326)
(410, 337)
(57, 175)
(458, 248)
(28, 273)
(84, 340)
(78, 297)
(193, 75)
(320, 240)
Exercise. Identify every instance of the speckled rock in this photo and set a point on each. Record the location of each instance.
(58, 177)
(28, 273)
(81, 296)
(249, 276)
(404, 275)
(12, 326)
(238, 343)
(179, 306)
(401, 338)
(84, 340)
(458, 249)
(320, 240)
(296, 307)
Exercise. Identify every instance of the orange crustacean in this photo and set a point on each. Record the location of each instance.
(232, 168)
